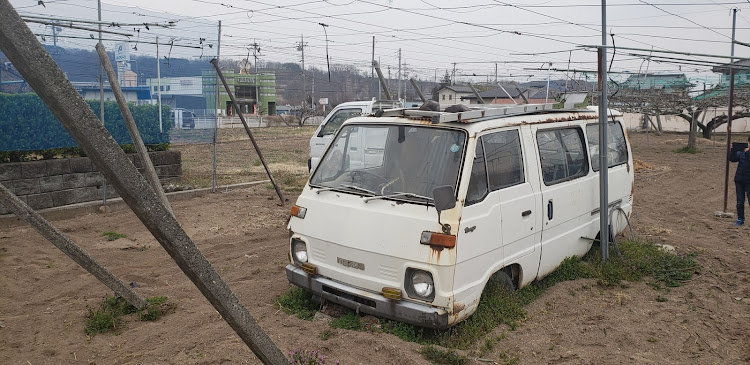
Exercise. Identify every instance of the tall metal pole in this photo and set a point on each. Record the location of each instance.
(158, 81)
(101, 93)
(372, 67)
(603, 165)
(399, 74)
(304, 83)
(729, 112)
(546, 97)
(216, 114)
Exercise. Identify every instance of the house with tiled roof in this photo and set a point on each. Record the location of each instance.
(453, 94)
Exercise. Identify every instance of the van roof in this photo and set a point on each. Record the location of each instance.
(480, 118)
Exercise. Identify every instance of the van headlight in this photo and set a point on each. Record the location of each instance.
(299, 251)
(419, 284)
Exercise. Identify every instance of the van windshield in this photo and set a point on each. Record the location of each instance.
(399, 162)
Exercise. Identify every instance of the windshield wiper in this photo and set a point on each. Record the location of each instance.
(351, 187)
(357, 188)
(400, 195)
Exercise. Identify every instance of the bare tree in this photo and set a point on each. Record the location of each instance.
(655, 103)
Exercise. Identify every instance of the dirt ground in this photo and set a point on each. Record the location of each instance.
(44, 296)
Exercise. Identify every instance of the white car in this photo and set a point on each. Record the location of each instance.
(413, 223)
(336, 118)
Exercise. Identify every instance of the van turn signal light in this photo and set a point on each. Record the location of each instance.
(298, 212)
(438, 239)
(310, 268)
(392, 293)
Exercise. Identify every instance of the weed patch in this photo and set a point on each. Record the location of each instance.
(686, 149)
(497, 306)
(111, 235)
(439, 356)
(307, 357)
(299, 302)
(349, 321)
(111, 314)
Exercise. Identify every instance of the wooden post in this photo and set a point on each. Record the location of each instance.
(148, 166)
(40, 71)
(52, 234)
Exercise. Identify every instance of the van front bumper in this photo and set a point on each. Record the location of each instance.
(368, 302)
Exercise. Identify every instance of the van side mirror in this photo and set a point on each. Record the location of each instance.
(444, 197)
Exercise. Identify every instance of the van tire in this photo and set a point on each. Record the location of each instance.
(502, 278)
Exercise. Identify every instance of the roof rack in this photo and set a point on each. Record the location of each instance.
(480, 111)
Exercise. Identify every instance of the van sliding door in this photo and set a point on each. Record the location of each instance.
(567, 194)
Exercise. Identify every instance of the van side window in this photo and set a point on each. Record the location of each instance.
(504, 161)
(478, 181)
(617, 148)
(562, 154)
(338, 119)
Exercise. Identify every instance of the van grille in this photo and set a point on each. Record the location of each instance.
(353, 298)
(319, 255)
(388, 273)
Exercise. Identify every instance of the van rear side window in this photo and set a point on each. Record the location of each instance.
(617, 149)
(562, 154)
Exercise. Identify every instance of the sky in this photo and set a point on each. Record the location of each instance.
(515, 40)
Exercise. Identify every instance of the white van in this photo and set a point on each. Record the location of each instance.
(337, 117)
(448, 201)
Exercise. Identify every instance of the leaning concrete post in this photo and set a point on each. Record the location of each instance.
(39, 70)
(148, 166)
(52, 234)
(215, 62)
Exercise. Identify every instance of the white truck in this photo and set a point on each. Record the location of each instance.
(336, 118)
(412, 223)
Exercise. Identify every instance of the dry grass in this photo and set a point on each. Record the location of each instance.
(640, 166)
(285, 149)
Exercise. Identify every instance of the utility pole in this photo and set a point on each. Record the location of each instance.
(546, 97)
(399, 74)
(312, 92)
(301, 47)
(603, 164)
(496, 72)
(216, 107)
(372, 66)
(256, 52)
(453, 77)
(101, 93)
(158, 82)
(729, 112)
(388, 86)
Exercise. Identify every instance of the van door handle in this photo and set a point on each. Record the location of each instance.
(549, 210)
(353, 148)
(526, 213)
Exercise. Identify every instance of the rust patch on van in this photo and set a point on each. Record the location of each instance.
(627, 165)
(458, 307)
(435, 252)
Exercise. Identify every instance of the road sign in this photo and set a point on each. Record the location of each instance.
(122, 53)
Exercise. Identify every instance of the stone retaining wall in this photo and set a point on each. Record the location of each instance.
(53, 183)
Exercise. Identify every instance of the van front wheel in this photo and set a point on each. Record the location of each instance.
(503, 279)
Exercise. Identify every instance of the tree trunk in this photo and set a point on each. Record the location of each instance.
(658, 123)
(658, 132)
(692, 136)
(708, 131)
